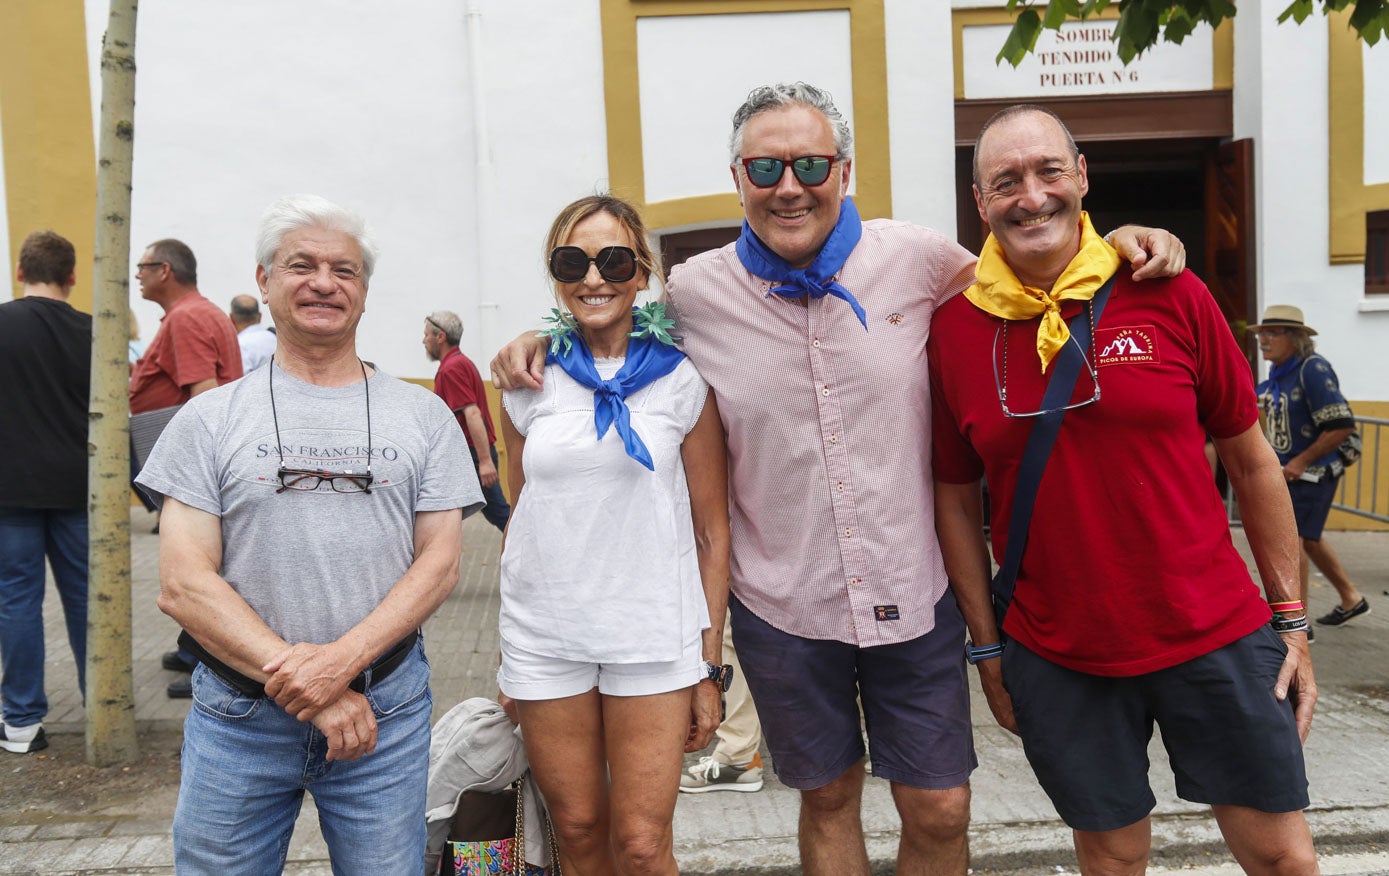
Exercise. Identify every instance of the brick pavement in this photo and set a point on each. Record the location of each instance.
(1348, 754)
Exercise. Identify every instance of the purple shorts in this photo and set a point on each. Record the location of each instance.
(914, 696)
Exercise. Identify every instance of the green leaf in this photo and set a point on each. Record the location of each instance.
(560, 332)
(1298, 10)
(1021, 38)
(1058, 11)
(651, 321)
(1179, 26)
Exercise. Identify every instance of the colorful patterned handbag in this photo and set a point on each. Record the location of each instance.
(504, 856)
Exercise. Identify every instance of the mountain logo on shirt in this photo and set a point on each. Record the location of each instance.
(1126, 346)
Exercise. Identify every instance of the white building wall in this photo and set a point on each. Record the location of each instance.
(238, 104)
(921, 106)
(1286, 112)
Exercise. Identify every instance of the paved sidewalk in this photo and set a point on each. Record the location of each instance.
(1014, 827)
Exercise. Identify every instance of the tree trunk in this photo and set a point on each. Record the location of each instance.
(110, 693)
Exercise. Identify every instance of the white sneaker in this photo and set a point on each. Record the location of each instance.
(22, 739)
(714, 775)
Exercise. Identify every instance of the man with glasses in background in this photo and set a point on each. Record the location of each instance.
(812, 330)
(311, 525)
(1126, 601)
(194, 350)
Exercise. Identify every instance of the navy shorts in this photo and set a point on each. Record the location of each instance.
(1230, 742)
(1312, 504)
(914, 695)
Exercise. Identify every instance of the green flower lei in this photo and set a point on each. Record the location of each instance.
(562, 325)
(650, 320)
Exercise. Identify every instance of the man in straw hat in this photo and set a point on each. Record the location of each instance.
(1308, 420)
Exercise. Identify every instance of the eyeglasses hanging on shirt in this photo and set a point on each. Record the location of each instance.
(1001, 382)
(309, 479)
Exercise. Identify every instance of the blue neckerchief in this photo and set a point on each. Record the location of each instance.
(1278, 372)
(647, 360)
(817, 281)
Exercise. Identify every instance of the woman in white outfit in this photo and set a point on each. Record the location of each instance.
(615, 566)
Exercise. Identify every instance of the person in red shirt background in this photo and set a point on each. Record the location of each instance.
(194, 350)
(459, 384)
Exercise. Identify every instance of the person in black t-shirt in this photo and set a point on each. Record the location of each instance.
(45, 379)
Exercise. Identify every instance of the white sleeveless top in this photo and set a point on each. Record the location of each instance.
(600, 564)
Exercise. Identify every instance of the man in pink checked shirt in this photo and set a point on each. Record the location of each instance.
(812, 330)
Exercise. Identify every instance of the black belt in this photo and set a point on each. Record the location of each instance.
(380, 669)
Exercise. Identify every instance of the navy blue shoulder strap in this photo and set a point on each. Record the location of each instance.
(1039, 443)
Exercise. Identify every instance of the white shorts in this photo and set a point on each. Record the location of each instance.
(525, 675)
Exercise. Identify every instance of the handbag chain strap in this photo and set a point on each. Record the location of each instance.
(518, 849)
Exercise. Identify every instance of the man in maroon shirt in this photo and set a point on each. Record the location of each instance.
(194, 350)
(1131, 607)
(459, 384)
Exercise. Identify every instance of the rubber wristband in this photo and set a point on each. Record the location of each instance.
(974, 654)
(1288, 624)
(1287, 605)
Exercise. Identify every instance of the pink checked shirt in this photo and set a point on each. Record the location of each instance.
(829, 433)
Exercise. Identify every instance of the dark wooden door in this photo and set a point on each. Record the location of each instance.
(1231, 266)
(676, 248)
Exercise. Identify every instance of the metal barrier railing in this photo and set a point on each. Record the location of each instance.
(1360, 490)
(1359, 493)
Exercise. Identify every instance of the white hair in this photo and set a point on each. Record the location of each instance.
(310, 211)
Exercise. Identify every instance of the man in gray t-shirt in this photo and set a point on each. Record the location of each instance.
(311, 523)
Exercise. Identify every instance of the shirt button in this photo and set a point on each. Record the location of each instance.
(815, 343)
(825, 391)
(834, 439)
(841, 486)
(848, 533)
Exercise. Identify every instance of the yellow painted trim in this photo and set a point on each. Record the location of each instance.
(621, 91)
(50, 158)
(688, 211)
(1223, 56)
(1372, 485)
(1349, 197)
(1222, 44)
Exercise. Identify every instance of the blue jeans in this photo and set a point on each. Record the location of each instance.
(26, 535)
(247, 763)
(496, 512)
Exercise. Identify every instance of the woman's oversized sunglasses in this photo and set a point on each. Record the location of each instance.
(616, 264)
(811, 170)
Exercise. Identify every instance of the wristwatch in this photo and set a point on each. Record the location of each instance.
(720, 675)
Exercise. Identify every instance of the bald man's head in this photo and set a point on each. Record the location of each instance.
(245, 310)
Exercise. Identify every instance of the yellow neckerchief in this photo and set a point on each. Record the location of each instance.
(998, 290)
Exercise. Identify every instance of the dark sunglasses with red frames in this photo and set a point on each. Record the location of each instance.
(809, 170)
(616, 264)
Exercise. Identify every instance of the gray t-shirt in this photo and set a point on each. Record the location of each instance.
(313, 564)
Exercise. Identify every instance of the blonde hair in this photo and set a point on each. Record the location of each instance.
(623, 212)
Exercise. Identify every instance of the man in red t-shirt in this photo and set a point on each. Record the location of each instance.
(194, 350)
(1131, 605)
(459, 384)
